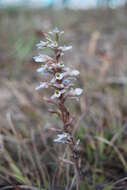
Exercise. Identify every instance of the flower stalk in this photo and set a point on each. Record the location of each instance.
(62, 83)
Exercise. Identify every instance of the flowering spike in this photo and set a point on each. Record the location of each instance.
(62, 81)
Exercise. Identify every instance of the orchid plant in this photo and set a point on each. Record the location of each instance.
(61, 79)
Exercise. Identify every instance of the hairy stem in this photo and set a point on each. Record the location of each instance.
(68, 125)
(67, 122)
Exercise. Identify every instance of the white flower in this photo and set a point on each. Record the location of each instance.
(78, 142)
(59, 76)
(56, 31)
(76, 91)
(60, 65)
(67, 69)
(62, 54)
(57, 94)
(66, 82)
(74, 73)
(41, 44)
(42, 85)
(61, 138)
(60, 86)
(42, 69)
(65, 48)
(41, 58)
(52, 45)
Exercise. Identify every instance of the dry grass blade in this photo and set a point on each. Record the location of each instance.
(119, 181)
(40, 166)
(121, 158)
(66, 161)
(25, 187)
(73, 182)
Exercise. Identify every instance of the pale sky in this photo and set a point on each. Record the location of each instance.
(83, 4)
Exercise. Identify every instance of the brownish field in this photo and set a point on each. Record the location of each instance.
(28, 154)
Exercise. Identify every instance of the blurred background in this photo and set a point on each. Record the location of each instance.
(61, 3)
(97, 30)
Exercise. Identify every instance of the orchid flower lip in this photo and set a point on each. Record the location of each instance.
(42, 69)
(61, 138)
(76, 91)
(78, 142)
(42, 85)
(41, 44)
(66, 82)
(65, 48)
(41, 58)
(74, 73)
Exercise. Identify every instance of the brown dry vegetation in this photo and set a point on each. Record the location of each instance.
(28, 155)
